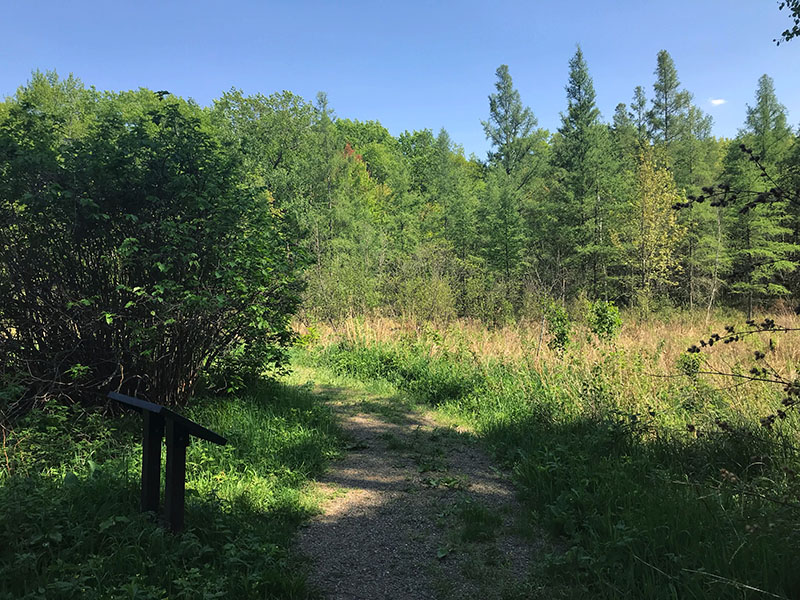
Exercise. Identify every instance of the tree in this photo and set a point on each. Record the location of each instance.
(651, 237)
(510, 126)
(639, 114)
(695, 165)
(766, 123)
(763, 241)
(667, 117)
(582, 152)
(624, 134)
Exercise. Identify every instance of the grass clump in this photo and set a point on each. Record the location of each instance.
(658, 481)
(69, 520)
(478, 523)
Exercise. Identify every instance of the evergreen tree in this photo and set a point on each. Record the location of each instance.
(510, 128)
(766, 124)
(763, 243)
(582, 153)
(695, 158)
(667, 116)
(639, 114)
(624, 134)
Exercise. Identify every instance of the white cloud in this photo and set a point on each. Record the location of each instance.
(717, 101)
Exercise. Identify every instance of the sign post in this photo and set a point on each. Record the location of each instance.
(156, 421)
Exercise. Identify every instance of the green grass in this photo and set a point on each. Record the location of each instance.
(640, 505)
(478, 523)
(69, 520)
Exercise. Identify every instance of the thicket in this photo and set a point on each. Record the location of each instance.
(137, 252)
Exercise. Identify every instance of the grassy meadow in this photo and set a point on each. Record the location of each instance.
(655, 478)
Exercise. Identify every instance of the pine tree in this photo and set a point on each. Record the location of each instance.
(639, 114)
(763, 240)
(766, 123)
(667, 116)
(510, 127)
(624, 134)
(695, 158)
(582, 153)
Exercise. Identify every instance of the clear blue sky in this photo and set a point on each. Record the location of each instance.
(409, 64)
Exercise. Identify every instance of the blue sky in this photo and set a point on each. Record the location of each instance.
(410, 65)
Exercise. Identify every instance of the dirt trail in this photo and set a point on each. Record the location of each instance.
(414, 510)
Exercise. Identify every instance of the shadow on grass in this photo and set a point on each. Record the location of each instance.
(70, 525)
(661, 516)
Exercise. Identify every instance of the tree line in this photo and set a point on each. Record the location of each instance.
(410, 225)
(147, 242)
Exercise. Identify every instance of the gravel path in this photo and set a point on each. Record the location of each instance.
(414, 510)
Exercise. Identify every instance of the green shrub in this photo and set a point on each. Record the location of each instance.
(604, 320)
(559, 326)
(131, 244)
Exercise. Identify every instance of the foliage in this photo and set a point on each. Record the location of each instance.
(604, 319)
(793, 7)
(558, 325)
(668, 113)
(653, 232)
(511, 125)
(70, 523)
(133, 252)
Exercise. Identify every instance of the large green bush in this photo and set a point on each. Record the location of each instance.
(134, 250)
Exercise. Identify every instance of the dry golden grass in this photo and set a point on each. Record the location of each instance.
(660, 340)
(640, 365)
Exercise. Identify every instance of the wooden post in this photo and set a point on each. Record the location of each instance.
(153, 433)
(175, 485)
(157, 418)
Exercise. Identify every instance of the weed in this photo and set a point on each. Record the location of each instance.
(478, 523)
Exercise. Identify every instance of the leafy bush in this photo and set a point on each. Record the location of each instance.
(132, 255)
(604, 320)
(558, 324)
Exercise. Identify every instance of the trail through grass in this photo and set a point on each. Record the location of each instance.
(415, 508)
(673, 490)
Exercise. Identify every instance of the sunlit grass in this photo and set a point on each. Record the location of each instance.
(659, 484)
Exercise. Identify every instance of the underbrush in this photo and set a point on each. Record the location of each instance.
(660, 483)
(69, 492)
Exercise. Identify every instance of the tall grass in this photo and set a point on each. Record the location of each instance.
(659, 480)
(69, 520)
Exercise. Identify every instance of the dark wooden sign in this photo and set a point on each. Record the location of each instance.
(157, 421)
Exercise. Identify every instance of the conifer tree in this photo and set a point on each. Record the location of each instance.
(639, 114)
(762, 242)
(582, 153)
(510, 127)
(667, 116)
